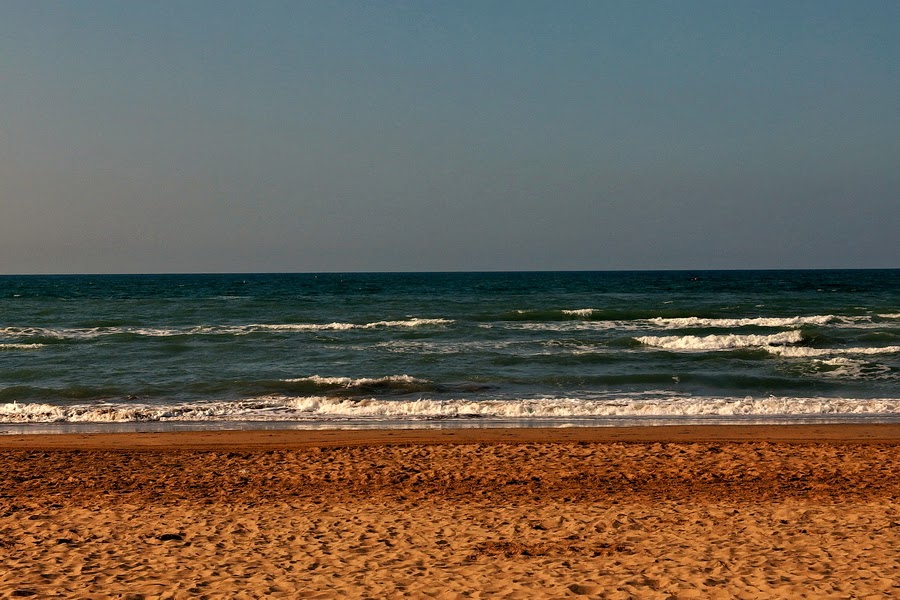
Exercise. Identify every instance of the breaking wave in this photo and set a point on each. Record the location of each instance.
(848, 368)
(348, 382)
(20, 346)
(590, 319)
(693, 343)
(343, 326)
(326, 408)
(393, 383)
(698, 322)
(94, 332)
(803, 352)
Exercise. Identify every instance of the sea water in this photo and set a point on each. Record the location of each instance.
(448, 349)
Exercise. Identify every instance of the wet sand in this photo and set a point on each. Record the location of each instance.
(661, 512)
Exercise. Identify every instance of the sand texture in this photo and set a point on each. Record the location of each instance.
(497, 515)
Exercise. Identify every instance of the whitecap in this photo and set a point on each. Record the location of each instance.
(803, 352)
(325, 408)
(697, 322)
(349, 382)
(848, 368)
(579, 312)
(719, 342)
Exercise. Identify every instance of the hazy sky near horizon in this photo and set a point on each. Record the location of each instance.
(465, 135)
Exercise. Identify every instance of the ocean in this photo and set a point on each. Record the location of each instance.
(163, 352)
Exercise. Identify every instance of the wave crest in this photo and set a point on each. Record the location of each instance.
(21, 346)
(579, 312)
(94, 332)
(327, 408)
(719, 342)
(403, 384)
(803, 352)
(698, 322)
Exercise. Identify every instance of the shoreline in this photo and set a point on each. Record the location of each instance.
(882, 433)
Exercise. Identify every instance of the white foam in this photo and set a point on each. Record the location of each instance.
(561, 326)
(28, 332)
(579, 312)
(336, 326)
(695, 343)
(322, 408)
(349, 382)
(803, 352)
(408, 323)
(299, 327)
(854, 322)
(94, 332)
(577, 325)
(21, 346)
(568, 407)
(848, 368)
(427, 347)
(844, 366)
(117, 413)
(696, 322)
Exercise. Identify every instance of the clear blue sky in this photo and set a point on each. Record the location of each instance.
(386, 136)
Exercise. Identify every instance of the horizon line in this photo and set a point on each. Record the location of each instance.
(448, 272)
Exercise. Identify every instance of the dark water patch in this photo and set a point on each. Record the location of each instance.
(755, 385)
(174, 347)
(624, 342)
(751, 354)
(559, 358)
(817, 337)
(602, 381)
(874, 337)
(21, 374)
(679, 381)
(110, 322)
(72, 392)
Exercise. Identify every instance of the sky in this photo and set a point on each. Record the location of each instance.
(220, 136)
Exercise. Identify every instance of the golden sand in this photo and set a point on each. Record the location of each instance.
(676, 512)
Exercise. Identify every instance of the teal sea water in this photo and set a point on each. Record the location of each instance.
(448, 349)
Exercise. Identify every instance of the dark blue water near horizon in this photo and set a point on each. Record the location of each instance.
(396, 349)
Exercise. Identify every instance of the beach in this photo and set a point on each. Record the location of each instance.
(653, 512)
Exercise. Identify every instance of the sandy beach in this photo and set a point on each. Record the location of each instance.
(661, 512)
